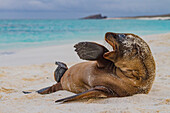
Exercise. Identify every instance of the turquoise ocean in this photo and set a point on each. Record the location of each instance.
(19, 34)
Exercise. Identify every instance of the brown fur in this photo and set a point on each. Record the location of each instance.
(130, 76)
(127, 70)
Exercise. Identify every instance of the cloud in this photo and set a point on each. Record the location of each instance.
(37, 4)
(109, 7)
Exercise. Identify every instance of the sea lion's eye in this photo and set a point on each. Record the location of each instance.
(121, 36)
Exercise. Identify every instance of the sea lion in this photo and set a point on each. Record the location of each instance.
(126, 70)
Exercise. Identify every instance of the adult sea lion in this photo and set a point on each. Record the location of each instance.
(127, 70)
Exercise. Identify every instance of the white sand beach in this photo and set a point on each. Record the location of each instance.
(32, 69)
(141, 18)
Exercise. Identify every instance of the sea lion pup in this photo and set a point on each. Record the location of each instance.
(127, 70)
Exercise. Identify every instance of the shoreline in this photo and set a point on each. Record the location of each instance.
(49, 54)
(139, 18)
(39, 55)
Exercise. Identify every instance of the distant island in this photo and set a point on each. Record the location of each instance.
(149, 17)
(96, 16)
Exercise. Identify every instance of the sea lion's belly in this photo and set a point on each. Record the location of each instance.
(75, 78)
(84, 76)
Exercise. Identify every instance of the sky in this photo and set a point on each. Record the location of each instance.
(72, 9)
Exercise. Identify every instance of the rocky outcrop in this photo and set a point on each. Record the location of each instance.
(97, 16)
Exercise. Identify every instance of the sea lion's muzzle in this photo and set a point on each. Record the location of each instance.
(109, 38)
(114, 39)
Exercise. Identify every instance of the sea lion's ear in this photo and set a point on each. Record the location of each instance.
(110, 56)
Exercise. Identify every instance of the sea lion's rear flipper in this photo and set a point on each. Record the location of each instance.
(59, 72)
(50, 89)
(91, 51)
(96, 92)
(47, 90)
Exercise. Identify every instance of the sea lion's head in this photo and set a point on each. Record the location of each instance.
(126, 45)
(131, 54)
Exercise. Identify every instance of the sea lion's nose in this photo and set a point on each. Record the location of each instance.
(117, 36)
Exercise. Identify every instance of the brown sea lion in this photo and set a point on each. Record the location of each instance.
(127, 70)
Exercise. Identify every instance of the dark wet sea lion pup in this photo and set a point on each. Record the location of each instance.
(127, 70)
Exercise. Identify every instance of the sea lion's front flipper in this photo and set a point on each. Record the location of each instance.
(96, 92)
(47, 90)
(59, 72)
(91, 51)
